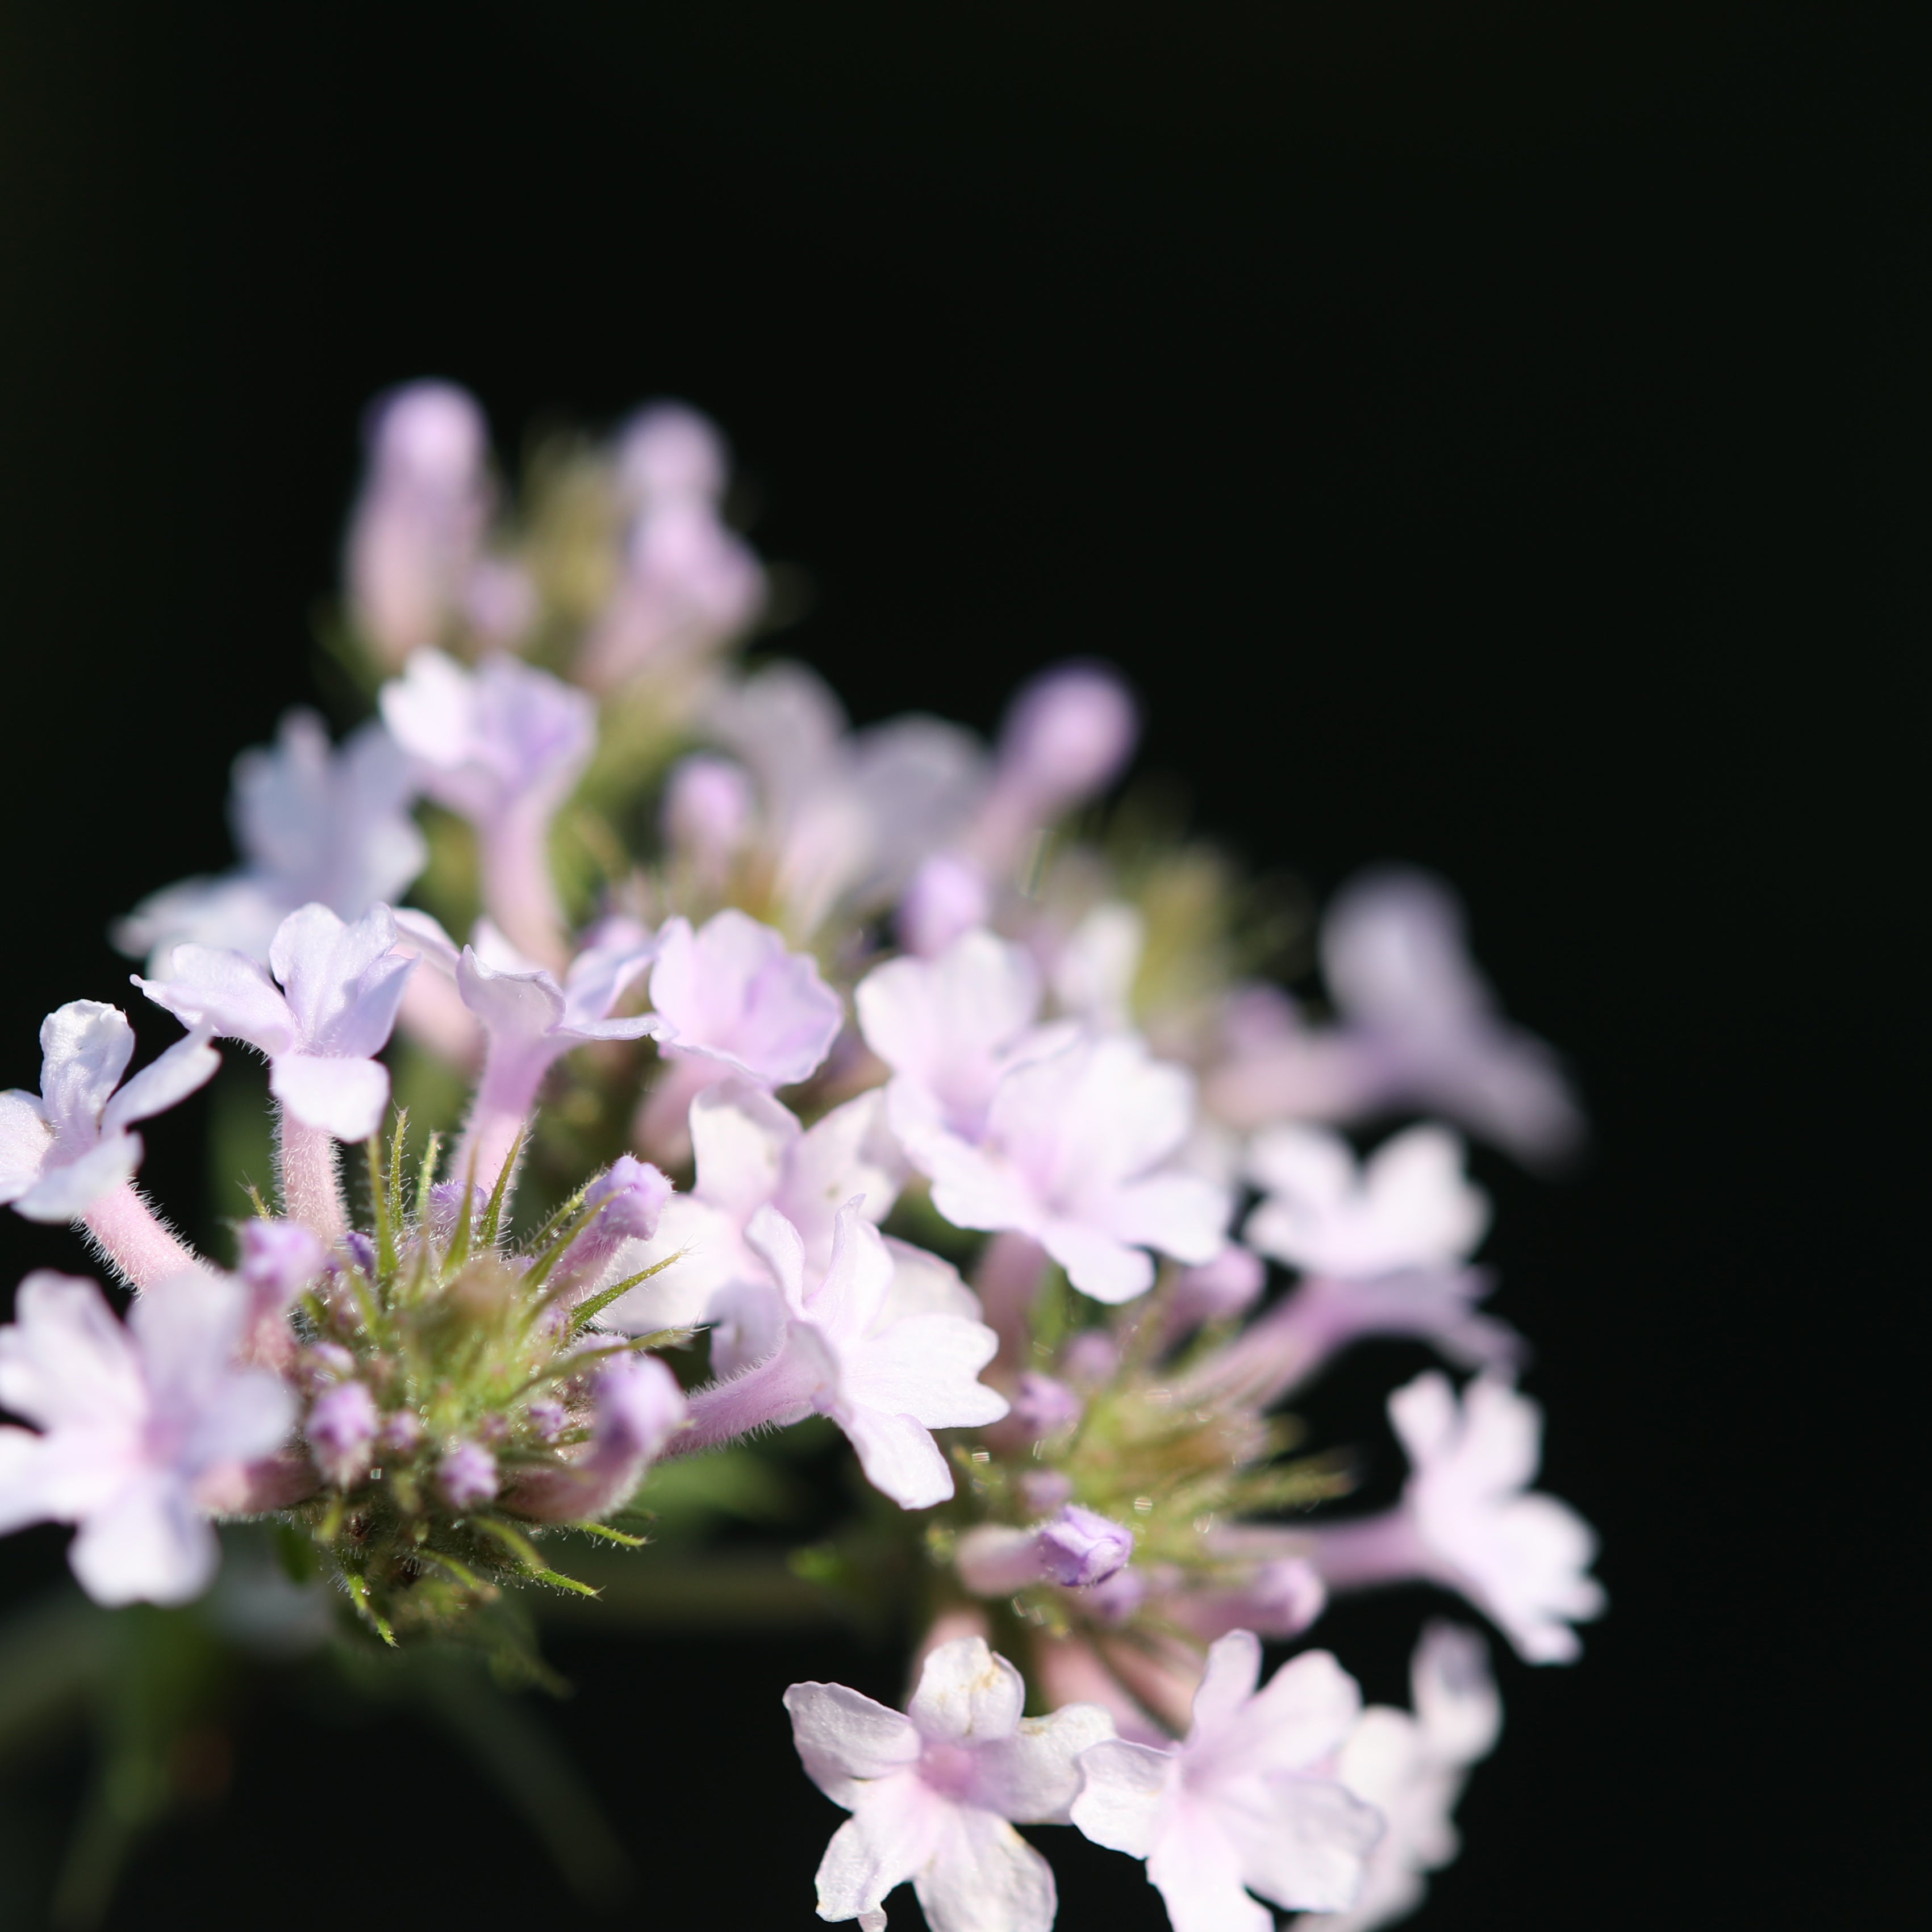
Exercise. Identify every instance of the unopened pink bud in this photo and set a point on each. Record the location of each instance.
(1044, 1407)
(427, 434)
(341, 1429)
(328, 1360)
(709, 805)
(627, 1200)
(549, 1419)
(1068, 734)
(1044, 1490)
(442, 1212)
(1230, 1285)
(1090, 1358)
(467, 1476)
(1079, 1547)
(948, 896)
(402, 1432)
(667, 450)
(279, 1259)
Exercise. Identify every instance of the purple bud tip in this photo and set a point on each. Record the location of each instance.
(361, 1252)
(279, 1259)
(1091, 1359)
(429, 433)
(948, 896)
(1229, 1285)
(708, 807)
(549, 1419)
(1079, 1547)
(667, 450)
(1068, 732)
(330, 1358)
(442, 1211)
(403, 1432)
(627, 1200)
(1044, 1490)
(467, 1476)
(342, 1424)
(1043, 1407)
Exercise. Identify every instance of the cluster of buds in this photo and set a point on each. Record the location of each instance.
(1052, 1172)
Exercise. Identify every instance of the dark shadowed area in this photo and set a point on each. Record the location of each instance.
(1487, 435)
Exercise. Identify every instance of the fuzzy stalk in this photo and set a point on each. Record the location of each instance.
(782, 1389)
(307, 1171)
(504, 1097)
(134, 1241)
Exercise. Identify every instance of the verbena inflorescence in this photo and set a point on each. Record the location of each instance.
(1044, 1127)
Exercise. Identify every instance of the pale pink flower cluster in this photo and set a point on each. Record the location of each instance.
(867, 977)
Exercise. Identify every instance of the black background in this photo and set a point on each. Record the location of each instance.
(1488, 435)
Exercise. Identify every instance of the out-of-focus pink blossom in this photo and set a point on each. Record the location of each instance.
(504, 746)
(1467, 1519)
(1412, 1769)
(1407, 1206)
(342, 1427)
(1067, 735)
(313, 824)
(1075, 1153)
(1043, 1406)
(1217, 1290)
(1298, 1335)
(947, 897)
(708, 817)
(135, 1422)
(1397, 964)
(845, 817)
(688, 581)
(1243, 1802)
(887, 1379)
(934, 1794)
(279, 1259)
(1094, 969)
(467, 1476)
(417, 530)
(1281, 1598)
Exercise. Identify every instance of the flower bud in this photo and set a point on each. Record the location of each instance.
(443, 1213)
(429, 434)
(1044, 1407)
(627, 1200)
(341, 1430)
(402, 1432)
(667, 450)
(708, 810)
(1230, 1285)
(467, 1476)
(549, 1419)
(279, 1259)
(1067, 736)
(361, 1252)
(948, 896)
(1091, 1359)
(1080, 1547)
(1044, 1490)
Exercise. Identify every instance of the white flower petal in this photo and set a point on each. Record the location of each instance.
(345, 1098)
